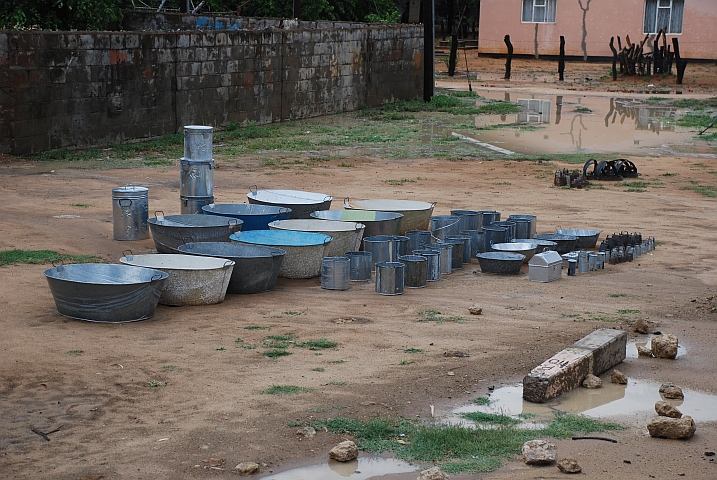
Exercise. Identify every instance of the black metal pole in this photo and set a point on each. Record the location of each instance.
(428, 50)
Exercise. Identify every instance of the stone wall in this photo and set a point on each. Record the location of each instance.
(67, 89)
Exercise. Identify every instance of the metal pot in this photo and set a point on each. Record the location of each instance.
(301, 203)
(500, 263)
(192, 280)
(346, 235)
(169, 232)
(255, 217)
(564, 243)
(98, 292)
(585, 238)
(416, 215)
(255, 266)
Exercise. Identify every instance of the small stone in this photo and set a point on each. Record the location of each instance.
(306, 432)
(591, 381)
(247, 468)
(664, 346)
(214, 462)
(672, 428)
(643, 326)
(664, 409)
(539, 452)
(644, 351)
(673, 393)
(434, 473)
(618, 377)
(475, 309)
(344, 451)
(569, 465)
(665, 386)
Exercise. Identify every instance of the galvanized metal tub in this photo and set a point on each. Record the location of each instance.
(335, 273)
(415, 271)
(380, 246)
(470, 219)
(494, 234)
(196, 178)
(304, 250)
(525, 249)
(192, 280)
(346, 235)
(169, 232)
(400, 247)
(198, 141)
(533, 222)
(564, 243)
(488, 217)
(433, 270)
(445, 263)
(467, 247)
(510, 226)
(443, 226)
(477, 241)
(104, 293)
(360, 265)
(542, 244)
(390, 278)
(457, 252)
(255, 217)
(585, 238)
(255, 266)
(418, 239)
(522, 228)
(500, 263)
(301, 203)
(193, 205)
(416, 215)
(130, 211)
(377, 223)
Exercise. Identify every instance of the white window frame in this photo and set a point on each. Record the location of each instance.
(670, 7)
(548, 7)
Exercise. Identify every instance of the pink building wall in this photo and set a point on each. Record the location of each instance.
(603, 19)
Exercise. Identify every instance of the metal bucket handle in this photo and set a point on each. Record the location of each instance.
(434, 204)
(184, 239)
(155, 277)
(160, 218)
(446, 226)
(347, 202)
(327, 240)
(128, 254)
(60, 266)
(328, 198)
(119, 202)
(253, 189)
(227, 263)
(283, 210)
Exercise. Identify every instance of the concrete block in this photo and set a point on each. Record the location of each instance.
(595, 353)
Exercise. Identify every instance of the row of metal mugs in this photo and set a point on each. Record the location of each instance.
(583, 261)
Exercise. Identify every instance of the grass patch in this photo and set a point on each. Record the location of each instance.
(668, 174)
(582, 110)
(337, 384)
(256, 327)
(221, 349)
(155, 384)
(436, 316)
(491, 418)
(406, 362)
(482, 401)
(281, 390)
(456, 449)
(274, 344)
(706, 190)
(75, 352)
(8, 257)
(81, 205)
(412, 350)
(337, 361)
(285, 337)
(398, 183)
(276, 353)
(249, 346)
(318, 369)
(695, 120)
(293, 313)
(616, 295)
(320, 344)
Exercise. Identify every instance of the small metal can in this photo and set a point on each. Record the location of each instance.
(130, 211)
(572, 265)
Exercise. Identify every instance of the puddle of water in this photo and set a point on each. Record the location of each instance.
(636, 400)
(645, 341)
(360, 469)
(581, 124)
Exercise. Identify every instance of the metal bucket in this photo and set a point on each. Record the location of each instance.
(467, 247)
(360, 266)
(335, 273)
(196, 179)
(477, 241)
(433, 271)
(377, 223)
(470, 219)
(457, 253)
(415, 272)
(130, 211)
(301, 203)
(533, 223)
(399, 247)
(418, 239)
(443, 226)
(512, 229)
(193, 205)
(488, 217)
(493, 235)
(380, 247)
(389, 278)
(445, 262)
(522, 228)
(198, 142)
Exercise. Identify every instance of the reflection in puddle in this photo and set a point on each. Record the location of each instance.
(635, 400)
(360, 469)
(645, 341)
(579, 124)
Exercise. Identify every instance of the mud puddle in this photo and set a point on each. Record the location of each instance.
(359, 469)
(645, 341)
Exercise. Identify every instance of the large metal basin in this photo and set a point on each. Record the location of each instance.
(500, 263)
(416, 215)
(105, 293)
(543, 245)
(301, 203)
(254, 217)
(171, 231)
(304, 250)
(192, 280)
(586, 238)
(346, 235)
(376, 223)
(526, 249)
(564, 243)
(255, 266)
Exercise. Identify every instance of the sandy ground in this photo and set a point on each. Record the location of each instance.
(115, 426)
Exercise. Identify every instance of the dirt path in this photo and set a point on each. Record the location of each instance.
(115, 426)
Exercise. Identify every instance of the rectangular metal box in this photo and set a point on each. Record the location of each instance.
(545, 267)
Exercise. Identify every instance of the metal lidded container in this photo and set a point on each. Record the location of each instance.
(196, 178)
(193, 205)
(545, 267)
(130, 212)
(198, 142)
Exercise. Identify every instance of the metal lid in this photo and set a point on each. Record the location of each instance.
(130, 191)
(546, 258)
